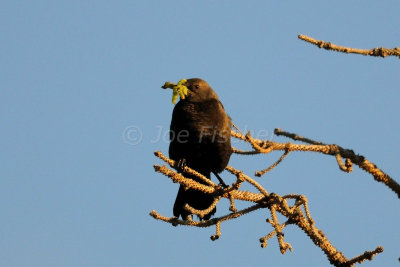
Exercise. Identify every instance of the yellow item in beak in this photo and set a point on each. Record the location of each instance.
(177, 89)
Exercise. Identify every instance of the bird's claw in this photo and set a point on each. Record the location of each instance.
(174, 221)
(220, 189)
(180, 166)
(223, 185)
(221, 182)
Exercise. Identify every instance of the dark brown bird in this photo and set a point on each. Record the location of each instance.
(199, 137)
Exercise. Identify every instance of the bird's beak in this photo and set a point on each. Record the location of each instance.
(189, 92)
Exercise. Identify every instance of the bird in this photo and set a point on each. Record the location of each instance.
(200, 139)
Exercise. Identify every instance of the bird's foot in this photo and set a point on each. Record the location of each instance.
(220, 189)
(174, 221)
(221, 182)
(223, 185)
(180, 165)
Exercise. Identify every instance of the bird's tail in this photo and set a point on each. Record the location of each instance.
(194, 198)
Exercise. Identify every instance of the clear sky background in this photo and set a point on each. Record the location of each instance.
(74, 75)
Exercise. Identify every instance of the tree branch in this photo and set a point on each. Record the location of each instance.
(339, 153)
(376, 52)
(297, 214)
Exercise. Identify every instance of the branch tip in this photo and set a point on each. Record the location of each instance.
(376, 52)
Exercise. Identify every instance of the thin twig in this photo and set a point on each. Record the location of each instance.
(367, 255)
(262, 172)
(376, 52)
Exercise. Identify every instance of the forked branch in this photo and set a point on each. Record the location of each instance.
(296, 214)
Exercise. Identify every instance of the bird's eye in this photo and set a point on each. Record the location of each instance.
(196, 86)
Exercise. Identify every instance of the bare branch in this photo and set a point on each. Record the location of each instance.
(367, 255)
(263, 146)
(376, 52)
(338, 152)
(297, 214)
(262, 172)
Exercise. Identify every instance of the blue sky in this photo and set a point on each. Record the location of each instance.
(74, 75)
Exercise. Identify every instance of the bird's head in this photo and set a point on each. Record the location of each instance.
(199, 90)
(191, 90)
